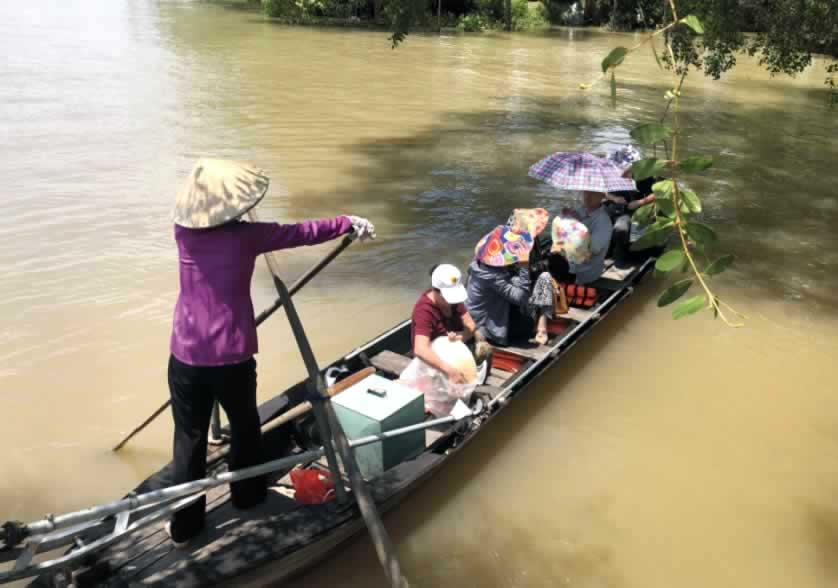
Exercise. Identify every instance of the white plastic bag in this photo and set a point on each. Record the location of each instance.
(440, 394)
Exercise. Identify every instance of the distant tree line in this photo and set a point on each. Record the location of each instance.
(467, 15)
(782, 34)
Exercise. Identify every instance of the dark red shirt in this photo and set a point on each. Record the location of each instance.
(427, 319)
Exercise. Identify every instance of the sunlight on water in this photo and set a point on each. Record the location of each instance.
(657, 454)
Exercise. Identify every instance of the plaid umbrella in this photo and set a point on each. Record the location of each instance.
(572, 170)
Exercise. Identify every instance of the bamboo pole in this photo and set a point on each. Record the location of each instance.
(330, 430)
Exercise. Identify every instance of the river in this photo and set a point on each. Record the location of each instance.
(659, 454)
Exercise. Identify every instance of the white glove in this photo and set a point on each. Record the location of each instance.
(363, 228)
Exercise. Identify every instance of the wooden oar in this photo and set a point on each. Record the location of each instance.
(304, 407)
(331, 430)
(263, 316)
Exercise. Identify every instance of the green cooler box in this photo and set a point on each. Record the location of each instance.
(362, 413)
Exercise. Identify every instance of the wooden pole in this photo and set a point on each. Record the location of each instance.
(142, 426)
(332, 432)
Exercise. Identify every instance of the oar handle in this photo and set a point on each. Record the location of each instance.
(304, 407)
(306, 277)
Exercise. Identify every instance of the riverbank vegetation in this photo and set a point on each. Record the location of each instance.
(783, 35)
(462, 15)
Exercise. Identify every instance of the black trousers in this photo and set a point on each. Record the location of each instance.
(193, 390)
(621, 245)
(521, 325)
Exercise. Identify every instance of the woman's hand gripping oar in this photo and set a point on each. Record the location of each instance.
(263, 316)
(330, 428)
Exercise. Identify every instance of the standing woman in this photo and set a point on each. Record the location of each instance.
(214, 332)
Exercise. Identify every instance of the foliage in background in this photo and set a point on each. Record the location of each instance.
(782, 34)
(490, 14)
(528, 16)
(832, 84)
(786, 33)
(305, 10)
(471, 23)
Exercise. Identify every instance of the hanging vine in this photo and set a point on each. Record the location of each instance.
(672, 212)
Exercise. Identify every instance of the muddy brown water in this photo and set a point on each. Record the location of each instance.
(657, 454)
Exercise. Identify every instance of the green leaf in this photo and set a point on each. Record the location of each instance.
(693, 22)
(644, 215)
(696, 163)
(720, 265)
(650, 133)
(662, 223)
(691, 200)
(663, 189)
(689, 306)
(655, 53)
(701, 233)
(646, 168)
(613, 86)
(670, 260)
(674, 292)
(666, 207)
(655, 235)
(614, 58)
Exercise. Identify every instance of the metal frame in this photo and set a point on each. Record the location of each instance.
(55, 531)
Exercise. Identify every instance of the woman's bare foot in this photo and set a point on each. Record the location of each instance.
(541, 337)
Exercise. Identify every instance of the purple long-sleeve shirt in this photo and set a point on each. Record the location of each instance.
(214, 322)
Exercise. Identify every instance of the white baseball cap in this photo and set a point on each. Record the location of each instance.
(449, 281)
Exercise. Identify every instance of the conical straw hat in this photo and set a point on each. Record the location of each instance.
(218, 191)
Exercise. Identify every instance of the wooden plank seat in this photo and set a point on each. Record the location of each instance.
(613, 278)
(526, 349)
(579, 314)
(390, 363)
(498, 377)
(612, 272)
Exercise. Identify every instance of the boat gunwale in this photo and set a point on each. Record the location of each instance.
(442, 449)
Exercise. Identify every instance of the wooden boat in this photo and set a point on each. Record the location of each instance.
(292, 536)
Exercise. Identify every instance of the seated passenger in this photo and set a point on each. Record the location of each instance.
(596, 219)
(622, 205)
(543, 300)
(570, 243)
(440, 312)
(499, 285)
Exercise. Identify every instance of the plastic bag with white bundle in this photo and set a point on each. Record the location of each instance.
(440, 394)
